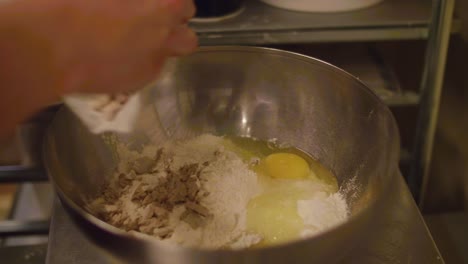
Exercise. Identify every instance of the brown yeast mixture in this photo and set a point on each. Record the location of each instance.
(192, 193)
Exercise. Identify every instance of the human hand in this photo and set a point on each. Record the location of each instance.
(51, 48)
(103, 46)
(120, 45)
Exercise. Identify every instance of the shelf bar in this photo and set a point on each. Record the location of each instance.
(16, 174)
(431, 88)
(23, 228)
(311, 36)
(405, 98)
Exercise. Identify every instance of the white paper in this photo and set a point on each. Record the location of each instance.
(84, 106)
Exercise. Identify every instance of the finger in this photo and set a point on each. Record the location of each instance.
(189, 10)
(181, 41)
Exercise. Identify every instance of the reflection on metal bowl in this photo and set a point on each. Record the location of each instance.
(243, 91)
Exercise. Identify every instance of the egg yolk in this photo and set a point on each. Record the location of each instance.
(286, 166)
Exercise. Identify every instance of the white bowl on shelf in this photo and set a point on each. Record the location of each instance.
(321, 5)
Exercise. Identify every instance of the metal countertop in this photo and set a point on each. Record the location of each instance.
(402, 237)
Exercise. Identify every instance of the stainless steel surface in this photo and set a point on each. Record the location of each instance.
(262, 24)
(30, 215)
(431, 88)
(243, 91)
(400, 236)
(450, 233)
(24, 254)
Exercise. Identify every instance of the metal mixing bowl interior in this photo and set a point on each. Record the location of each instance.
(243, 91)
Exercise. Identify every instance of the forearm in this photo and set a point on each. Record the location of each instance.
(25, 61)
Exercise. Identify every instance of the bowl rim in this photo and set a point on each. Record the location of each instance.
(104, 226)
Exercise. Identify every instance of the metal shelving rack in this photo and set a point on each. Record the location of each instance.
(260, 24)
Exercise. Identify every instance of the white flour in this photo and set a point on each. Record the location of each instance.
(229, 185)
(322, 212)
(227, 181)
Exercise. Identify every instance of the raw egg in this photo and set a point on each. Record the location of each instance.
(274, 216)
(286, 166)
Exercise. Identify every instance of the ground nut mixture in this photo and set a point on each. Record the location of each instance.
(192, 193)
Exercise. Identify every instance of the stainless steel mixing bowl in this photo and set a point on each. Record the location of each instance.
(247, 91)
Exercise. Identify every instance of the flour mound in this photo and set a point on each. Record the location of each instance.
(192, 193)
